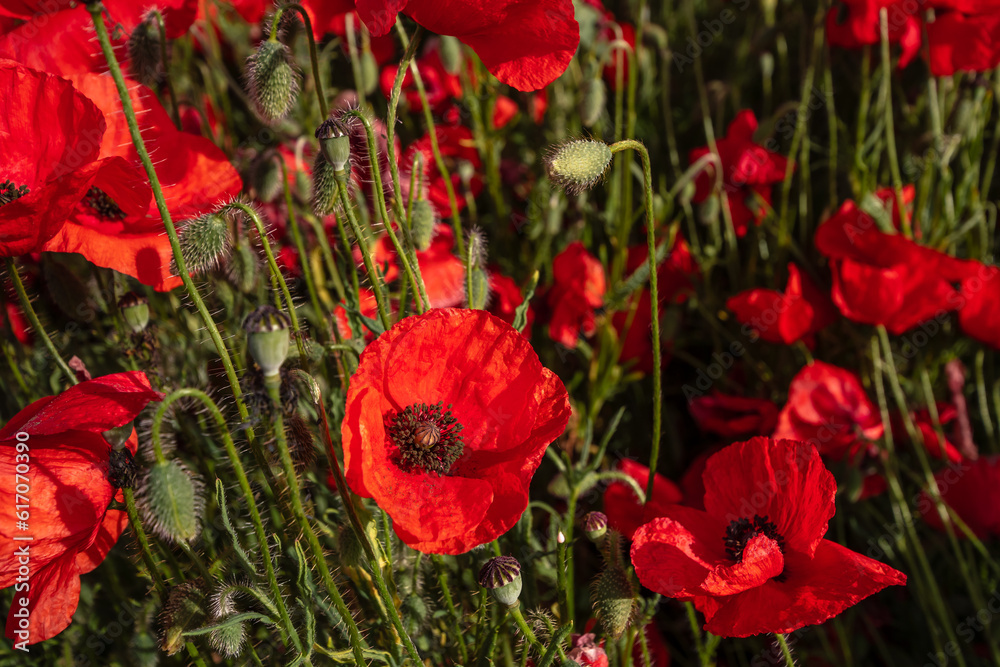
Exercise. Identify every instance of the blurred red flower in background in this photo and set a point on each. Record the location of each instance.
(733, 416)
(748, 169)
(624, 511)
(784, 317)
(448, 416)
(852, 24)
(828, 408)
(972, 490)
(579, 288)
(755, 560)
(67, 456)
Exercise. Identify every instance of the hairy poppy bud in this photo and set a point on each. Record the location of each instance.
(135, 310)
(267, 338)
(324, 186)
(451, 54)
(423, 220)
(229, 638)
(502, 575)
(171, 501)
(595, 96)
(335, 141)
(595, 525)
(578, 165)
(205, 241)
(243, 268)
(369, 72)
(145, 50)
(613, 596)
(272, 81)
(184, 610)
(264, 176)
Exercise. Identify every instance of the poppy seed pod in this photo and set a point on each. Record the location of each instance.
(172, 502)
(502, 576)
(578, 165)
(135, 310)
(335, 142)
(272, 81)
(267, 338)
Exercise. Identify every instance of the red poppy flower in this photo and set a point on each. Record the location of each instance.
(972, 490)
(44, 175)
(505, 297)
(675, 283)
(960, 42)
(579, 288)
(977, 311)
(194, 174)
(16, 321)
(887, 279)
(932, 443)
(624, 511)
(784, 317)
(747, 168)
(733, 417)
(524, 44)
(369, 308)
(63, 44)
(755, 560)
(448, 416)
(855, 23)
(73, 529)
(586, 652)
(827, 407)
(692, 483)
(455, 143)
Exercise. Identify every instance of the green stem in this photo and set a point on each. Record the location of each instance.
(298, 511)
(450, 605)
(275, 271)
(245, 488)
(366, 256)
(313, 57)
(785, 649)
(300, 246)
(890, 134)
(654, 302)
(96, 9)
(29, 311)
(456, 223)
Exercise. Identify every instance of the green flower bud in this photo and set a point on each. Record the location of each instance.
(335, 142)
(144, 52)
(369, 72)
(205, 241)
(451, 54)
(184, 610)
(613, 597)
(324, 186)
(267, 338)
(502, 576)
(172, 502)
(135, 310)
(423, 220)
(578, 165)
(272, 81)
(595, 97)
(229, 639)
(595, 525)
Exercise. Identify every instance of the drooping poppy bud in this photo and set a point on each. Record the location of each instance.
(172, 502)
(578, 165)
(205, 241)
(272, 80)
(145, 54)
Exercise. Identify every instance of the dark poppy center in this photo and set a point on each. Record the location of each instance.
(9, 192)
(427, 437)
(103, 205)
(742, 531)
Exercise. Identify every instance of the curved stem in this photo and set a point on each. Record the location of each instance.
(29, 311)
(275, 271)
(313, 57)
(243, 481)
(654, 302)
(295, 498)
(456, 223)
(366, 256)
(95, 9)
(786, 650)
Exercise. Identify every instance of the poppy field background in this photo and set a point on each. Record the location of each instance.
(496, 332)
